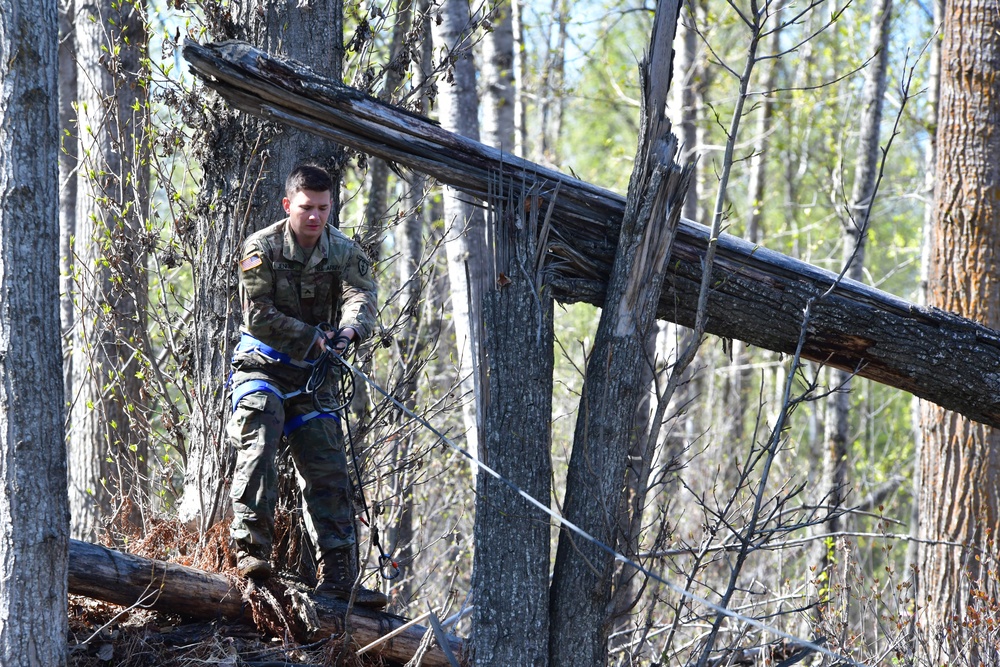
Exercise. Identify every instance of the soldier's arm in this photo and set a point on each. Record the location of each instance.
(360, 294)
(260, 317)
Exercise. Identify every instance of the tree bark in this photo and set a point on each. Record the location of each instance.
(758, 295)
(514, 372)
(34, 506)
(127, 580)
(245, 164)
(581, 584)
(458, 110)
(960, 460)
(108, 441)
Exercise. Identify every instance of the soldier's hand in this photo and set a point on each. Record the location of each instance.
(339, 339)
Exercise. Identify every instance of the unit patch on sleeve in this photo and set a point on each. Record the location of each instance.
(251, 262)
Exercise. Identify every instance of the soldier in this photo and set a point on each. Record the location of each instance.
(294, 275)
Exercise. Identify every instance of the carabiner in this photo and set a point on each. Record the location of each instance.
(387, 567)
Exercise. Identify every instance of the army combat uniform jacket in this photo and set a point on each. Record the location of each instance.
(285, 292)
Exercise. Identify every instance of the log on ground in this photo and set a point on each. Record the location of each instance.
(758, 296)
(129, 580)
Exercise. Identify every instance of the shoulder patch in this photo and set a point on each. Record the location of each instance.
(251, 262)
(364, 266)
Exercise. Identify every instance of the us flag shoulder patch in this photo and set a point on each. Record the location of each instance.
(251, 262)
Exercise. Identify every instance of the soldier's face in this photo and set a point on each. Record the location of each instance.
(308, 212)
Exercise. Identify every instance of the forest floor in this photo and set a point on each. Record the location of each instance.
(102, 634)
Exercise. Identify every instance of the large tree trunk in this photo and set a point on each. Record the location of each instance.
(108, 441)
(757, 296)
(127, 580)
(960, 460)
(581, 584)
(245, 163)
(34, 507)
(458, 110)
(514, 373)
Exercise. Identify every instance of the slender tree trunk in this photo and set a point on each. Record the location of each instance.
(410, 241)
(927, 245)
(246, 163)
(498, 78)
(582, 580)
(838, 425)
(34, 508)
(108, 443)
(67, 181)
(458, 109)
(686, 100)
(520, 78)
(960, 460)
(377, 207)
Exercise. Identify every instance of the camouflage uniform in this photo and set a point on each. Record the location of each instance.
(285, 293)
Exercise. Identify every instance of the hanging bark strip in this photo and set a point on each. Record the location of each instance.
(127, 580)
(758, 295)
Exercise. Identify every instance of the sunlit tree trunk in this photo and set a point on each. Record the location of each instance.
(34, 508)
(67, 180)
(108, 441)
(458, 109)
(927, 244)
(960, 460)
(246, 162)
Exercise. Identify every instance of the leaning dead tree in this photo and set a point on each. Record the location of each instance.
(130, 580)
(757, 296)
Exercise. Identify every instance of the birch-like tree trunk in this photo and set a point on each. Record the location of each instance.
(67, 180)
(108, 441)
(458, 111)
(582, 580)
(855, 227)
(34, 508)
(960, 460)
(245, 162)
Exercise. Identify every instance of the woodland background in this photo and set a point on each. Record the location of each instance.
(785, 491)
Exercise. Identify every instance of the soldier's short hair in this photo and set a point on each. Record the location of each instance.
(308, 176)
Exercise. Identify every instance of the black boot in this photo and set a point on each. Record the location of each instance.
(252, 561)
(337, 573)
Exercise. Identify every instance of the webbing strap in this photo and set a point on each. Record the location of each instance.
(249, 344)
(250, 386)
(299, 421)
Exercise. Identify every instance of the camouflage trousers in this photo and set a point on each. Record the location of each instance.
(255, 430)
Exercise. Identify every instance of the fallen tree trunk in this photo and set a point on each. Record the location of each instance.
(130, 580)
(758, 295)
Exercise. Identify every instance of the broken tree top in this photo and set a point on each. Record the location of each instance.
(758, 296)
